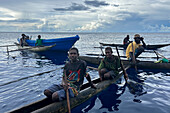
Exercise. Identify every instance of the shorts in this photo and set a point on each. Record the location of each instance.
(60, 91)
(112, 74)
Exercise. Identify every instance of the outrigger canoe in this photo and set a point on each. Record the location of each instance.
(140, 64)
(47, 106)
(149, 47)
(34, 48)
(62, 44)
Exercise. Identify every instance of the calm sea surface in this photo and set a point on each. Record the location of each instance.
(20, 84)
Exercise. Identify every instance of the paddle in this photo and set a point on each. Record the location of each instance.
(67, 94)
(124, 72)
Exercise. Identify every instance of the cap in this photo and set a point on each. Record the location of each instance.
(137, 36)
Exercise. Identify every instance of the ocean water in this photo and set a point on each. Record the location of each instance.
(20, 84)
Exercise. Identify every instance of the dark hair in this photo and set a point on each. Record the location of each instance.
(74, 48)
(39, 36)
(109, 48)
(23, 35)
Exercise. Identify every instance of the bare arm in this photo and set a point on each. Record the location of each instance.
(144, 45)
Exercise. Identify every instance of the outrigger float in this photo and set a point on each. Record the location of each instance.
(149, 47)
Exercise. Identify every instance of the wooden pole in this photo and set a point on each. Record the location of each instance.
(7, 45)
(67, 95)
(7, 51)
(91, 54)
(101, 50)
(124, 72)
(159, 55)
(147, 51)
(92, 68)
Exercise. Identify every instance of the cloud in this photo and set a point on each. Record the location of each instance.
(85, 15)
(158, 28)
(73, 7)
(89, 27)
(7, 14)
(96, 3)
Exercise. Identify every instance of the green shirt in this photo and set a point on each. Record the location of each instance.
(110, 64)
(39, 42)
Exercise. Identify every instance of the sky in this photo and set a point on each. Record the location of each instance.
(84, 16)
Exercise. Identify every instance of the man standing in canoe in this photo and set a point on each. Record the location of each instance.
(126, 42)
(135, 47)
(75, 71)
(108, 68)
(39, 41)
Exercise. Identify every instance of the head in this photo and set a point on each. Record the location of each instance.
(73, 54)
(137, 38)
(127, 37)
(23, 35)
(108, 51)
(39, 36)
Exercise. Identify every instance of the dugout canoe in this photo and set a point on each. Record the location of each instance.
(34, 48)
(62, 44)
(149, 47)
(47, 106)
(91, 54)
(140, 64)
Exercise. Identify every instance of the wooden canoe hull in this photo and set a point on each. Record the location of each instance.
(149, 47)
(140, 64)
(61, 107)
(46, 105)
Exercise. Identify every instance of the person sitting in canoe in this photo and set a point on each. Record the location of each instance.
(75, 71)
(22, 40)
(126, 42)
(135, 47)
(109, 65)
(39, 41)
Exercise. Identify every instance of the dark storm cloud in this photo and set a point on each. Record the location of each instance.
(96, 3)
(116, 5)
(73, 7)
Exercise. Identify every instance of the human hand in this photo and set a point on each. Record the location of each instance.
(141, 38)
(65, 86)
(101, 79)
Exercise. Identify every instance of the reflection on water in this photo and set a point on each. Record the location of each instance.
(57, 57)
(108, 99)
(16, 95)
(135, 85)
